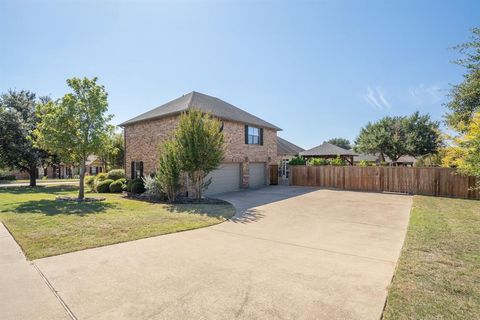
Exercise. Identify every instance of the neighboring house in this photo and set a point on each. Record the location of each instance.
(285, 152)
(329, 151)
(404, 161)
(94, 165)
(250, 142)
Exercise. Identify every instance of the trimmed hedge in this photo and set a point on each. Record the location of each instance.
(8, 177)
(101, 176)
(104, 186)
(138, 187)
(116, 186)
(131, 182)
(116, 174)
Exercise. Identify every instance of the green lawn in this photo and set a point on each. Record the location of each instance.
(45, 227)
(438, 274)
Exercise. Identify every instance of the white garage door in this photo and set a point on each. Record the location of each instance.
(256, 174)
(224, 179)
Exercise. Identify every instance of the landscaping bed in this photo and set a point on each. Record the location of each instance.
(44, 226)
(438, 274)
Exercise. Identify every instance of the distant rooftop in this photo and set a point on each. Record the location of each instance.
(327, 149)
(205, 103)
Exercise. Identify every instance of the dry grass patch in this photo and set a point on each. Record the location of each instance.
(45, 227)
(438, 274)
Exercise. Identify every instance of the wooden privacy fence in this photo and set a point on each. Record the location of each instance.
(442, 182)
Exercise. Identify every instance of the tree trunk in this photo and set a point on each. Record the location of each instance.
(32, 174)
(81, 190)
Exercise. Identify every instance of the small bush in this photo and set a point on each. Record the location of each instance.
(318, 162)
(90, 182)
(297, 161)
(364, 163)
(116, 174)
(131, 182)
(101, 177)
(116, 186)
(138, 187)
(45, 178)
(104, 186)
(8, 177)
(152, 187)
(338, 161)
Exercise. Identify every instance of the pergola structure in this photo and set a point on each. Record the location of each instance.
(329, 151)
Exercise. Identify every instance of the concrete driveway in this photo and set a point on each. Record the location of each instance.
(292, 253)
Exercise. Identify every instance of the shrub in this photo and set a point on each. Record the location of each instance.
(8, 177)
(318, 162)
(297, 161)
(101, 176)
(168, 177)
(152, 187)
(138, 187)
(116, 174)
(364, 163)
(116, 186)
(90, 182)
(131, 182)
(337, 161)
(104, 186)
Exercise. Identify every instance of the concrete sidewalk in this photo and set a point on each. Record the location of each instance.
(23, 292)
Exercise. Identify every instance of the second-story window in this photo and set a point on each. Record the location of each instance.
(253, 135)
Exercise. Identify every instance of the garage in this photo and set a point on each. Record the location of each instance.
(224, 179)
(257, 174)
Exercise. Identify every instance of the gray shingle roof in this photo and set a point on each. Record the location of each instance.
(286, 147)
(205, 103)
(366, 157)
(327, 149)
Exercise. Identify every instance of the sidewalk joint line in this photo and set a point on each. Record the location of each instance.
(55, 293)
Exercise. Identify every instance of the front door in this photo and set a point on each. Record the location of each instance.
(284, 170)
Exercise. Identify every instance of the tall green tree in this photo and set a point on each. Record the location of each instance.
(341, 142)
(169, 171)
(18, 121)
(76, 125)
(465, 97)
(113, 151)
(200, 147)
(415, 135)
(464, 115)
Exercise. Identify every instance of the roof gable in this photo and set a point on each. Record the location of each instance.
(327, 149)
(205, 103)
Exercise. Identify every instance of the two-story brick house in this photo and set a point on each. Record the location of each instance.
(250, 142)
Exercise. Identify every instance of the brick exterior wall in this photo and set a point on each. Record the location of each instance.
(143, 139)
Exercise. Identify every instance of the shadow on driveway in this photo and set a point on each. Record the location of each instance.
(247, 201)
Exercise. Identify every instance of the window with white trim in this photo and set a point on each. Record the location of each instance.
(253, 135)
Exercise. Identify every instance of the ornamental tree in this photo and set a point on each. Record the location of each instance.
(76, 125)
(199, 139)
(17, 141)
(414, 135)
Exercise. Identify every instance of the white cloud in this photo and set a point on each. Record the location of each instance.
(424, 94)
(376, 98)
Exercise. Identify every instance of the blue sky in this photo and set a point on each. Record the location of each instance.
(317, 69)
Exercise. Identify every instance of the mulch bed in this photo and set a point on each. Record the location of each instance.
(179, 200)
(75, 199)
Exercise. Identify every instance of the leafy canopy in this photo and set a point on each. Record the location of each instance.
(394, 137)
(17, 141)
(465, 97)
(341, 142)
(199, 139)
(76, 125)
